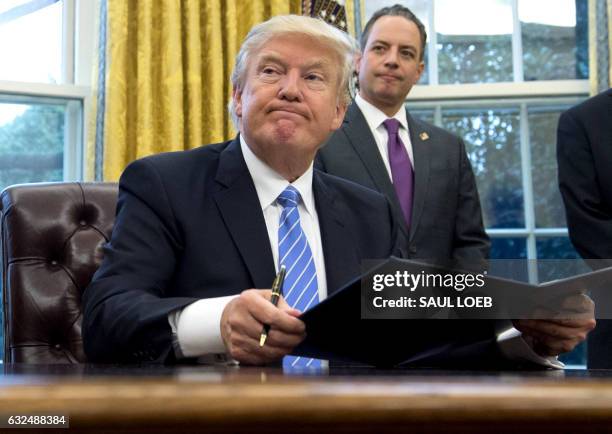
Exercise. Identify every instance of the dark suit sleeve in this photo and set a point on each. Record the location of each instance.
(470, 239)
(126, 305)
(588, 219)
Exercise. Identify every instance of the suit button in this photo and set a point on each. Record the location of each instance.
(412, 249)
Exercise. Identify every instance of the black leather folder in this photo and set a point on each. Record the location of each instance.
(336, 330)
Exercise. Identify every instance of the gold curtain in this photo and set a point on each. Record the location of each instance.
(166, 80)
(600, 45)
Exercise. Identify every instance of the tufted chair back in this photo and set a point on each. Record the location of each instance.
(52, 237)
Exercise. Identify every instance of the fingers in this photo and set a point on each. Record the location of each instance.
(553, 337)
(579, 306)
(277, 317)
(559, 329)
(242, 323)
(282, 305)
(573, 323)
(247, 350)
(579, 303)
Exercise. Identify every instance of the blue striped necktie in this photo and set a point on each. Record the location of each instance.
(300, 288)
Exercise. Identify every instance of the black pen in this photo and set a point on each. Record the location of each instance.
(277, 288)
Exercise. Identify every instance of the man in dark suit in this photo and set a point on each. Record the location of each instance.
(195, 230)
(442, 218)
(422, 169)
(584, 156)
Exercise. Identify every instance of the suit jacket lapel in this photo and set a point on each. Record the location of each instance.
(339, 251)
(357, 130)
(419, 136)
(241, 211)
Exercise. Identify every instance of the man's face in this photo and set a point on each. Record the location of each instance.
(389, 65)
(289, 103)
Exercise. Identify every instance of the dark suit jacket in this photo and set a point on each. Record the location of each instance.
(446, 214)
(584, 156)
(189, 225)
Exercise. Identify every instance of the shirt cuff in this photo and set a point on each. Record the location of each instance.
(514, 347)
(197, 327)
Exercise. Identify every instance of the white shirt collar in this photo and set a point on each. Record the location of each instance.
(269, 184)
(375, 117)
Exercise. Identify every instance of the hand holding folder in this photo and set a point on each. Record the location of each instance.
(336, 329)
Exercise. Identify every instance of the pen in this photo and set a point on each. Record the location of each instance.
(277, 287)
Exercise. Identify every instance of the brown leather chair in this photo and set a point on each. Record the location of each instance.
(52, 237)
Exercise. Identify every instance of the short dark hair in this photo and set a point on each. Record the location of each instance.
(394, 11)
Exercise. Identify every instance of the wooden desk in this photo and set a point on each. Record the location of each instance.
(185, 400)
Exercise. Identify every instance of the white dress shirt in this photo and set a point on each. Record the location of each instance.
(197, 326)
(375, 118)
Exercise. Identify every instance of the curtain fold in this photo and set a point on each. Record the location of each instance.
(163, 82)
(600, 45)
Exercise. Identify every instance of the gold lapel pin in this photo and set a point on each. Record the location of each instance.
(424, 136)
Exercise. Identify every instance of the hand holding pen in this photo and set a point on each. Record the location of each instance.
(242, 320)
(277, 288)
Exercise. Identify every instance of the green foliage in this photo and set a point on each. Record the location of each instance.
(474, 58)
(32, 145)
(493, 146)
(40, 129)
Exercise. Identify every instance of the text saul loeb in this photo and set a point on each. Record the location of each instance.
(411, 281)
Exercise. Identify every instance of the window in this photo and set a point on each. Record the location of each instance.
(499, 78)
(44, 89)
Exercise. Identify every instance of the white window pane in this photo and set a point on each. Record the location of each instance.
(543, 119)
(31, 35)
(492, 140)
(509, 248)
(418, 7)
(32, 138)
(473, 17)
(540, 12)
(555, 46)
(474, 41)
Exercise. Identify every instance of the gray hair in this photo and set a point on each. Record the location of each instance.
(341, 43)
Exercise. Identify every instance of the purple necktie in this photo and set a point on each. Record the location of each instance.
(401, 169)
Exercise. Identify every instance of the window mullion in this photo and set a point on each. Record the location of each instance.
(68, 42)
(517, 44)
(528, 205)
(85, 44)
(357, 18)
(73, 137)
(432, 47)
(438, 116)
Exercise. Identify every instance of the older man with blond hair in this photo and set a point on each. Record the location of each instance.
(200, 234)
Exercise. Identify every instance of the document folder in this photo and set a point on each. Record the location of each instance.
(336, 330)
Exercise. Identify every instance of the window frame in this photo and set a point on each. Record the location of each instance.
(516, 93)
(78, 39)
